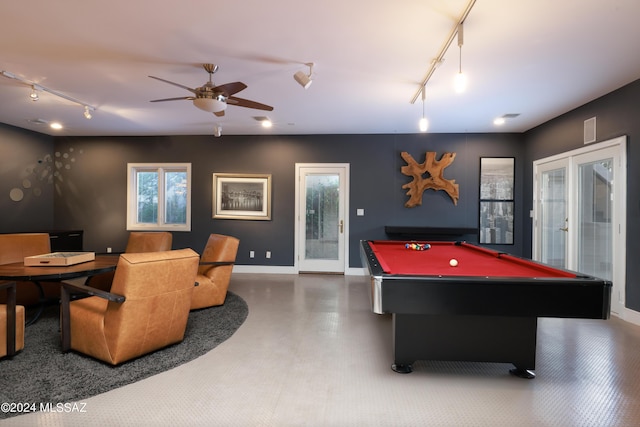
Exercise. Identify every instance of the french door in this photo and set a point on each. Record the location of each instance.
(580, 215)
(321, 229)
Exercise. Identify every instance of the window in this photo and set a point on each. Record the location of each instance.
(159, 196)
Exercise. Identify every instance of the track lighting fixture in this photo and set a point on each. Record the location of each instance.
(424, 123)
(460, 83)
(438, 60)
(34, 94)
(303, 79)
(217, 131)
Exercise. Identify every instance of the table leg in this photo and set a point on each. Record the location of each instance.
(41, 304)
(465, 338)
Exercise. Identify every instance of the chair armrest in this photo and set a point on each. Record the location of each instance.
(88, 290)
(65, 312)
(11, 316)
(211, 265)
(214, 263)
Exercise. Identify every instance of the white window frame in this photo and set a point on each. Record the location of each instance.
(132, 196)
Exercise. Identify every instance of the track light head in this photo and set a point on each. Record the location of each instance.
(87, 113)
(217, 131)
(34, 94)
(423, 124)
(303, 79)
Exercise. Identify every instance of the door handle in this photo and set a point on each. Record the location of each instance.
(341, 226)
(566, 227)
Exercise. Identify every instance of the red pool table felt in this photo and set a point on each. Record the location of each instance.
(395, 258)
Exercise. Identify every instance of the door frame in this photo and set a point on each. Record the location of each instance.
(618, 297)
(299, 217)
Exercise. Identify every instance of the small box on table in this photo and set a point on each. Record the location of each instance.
(62, 259)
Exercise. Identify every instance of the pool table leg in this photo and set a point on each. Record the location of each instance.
(522, 373)
(402, 368)
(465, 338)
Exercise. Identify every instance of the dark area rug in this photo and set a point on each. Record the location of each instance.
(41, 373)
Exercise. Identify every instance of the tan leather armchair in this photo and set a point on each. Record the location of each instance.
(11, 323)
(147, 308)
(13, 248)
(214, 273)
(139, 241)
(149, 241)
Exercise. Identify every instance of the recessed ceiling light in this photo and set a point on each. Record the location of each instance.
(55, 125)
(264, 121)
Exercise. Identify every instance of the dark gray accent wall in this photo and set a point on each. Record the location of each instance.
(80, 182)
(617, 114)
(93, 194)
(28, 169)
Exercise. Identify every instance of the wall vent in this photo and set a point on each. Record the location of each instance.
(590, 130)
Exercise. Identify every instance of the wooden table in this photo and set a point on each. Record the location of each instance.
(17, 271)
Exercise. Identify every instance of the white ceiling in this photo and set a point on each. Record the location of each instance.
(536, 58)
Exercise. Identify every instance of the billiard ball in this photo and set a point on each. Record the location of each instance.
(453, 262)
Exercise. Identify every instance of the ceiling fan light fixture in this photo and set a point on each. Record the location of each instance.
(211, 105)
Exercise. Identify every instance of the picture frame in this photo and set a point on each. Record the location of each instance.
(496, 211)
(242, 196)
(496, 222)
(496, 178)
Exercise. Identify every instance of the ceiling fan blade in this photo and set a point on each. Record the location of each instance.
(219, 113)
(231, 88)
(175, 84)
(240, 102)
(191, 98)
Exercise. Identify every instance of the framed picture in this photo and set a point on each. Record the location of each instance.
(242, 196)
(496, 200)
(496, 222)
(496, 178)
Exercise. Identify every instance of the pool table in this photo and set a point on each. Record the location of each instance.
(485, 309)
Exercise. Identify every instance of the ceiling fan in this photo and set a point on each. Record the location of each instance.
(214, 99)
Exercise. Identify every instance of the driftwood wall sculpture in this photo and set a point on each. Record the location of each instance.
(435, 180)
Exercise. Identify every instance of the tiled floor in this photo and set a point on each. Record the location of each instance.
(311, 353)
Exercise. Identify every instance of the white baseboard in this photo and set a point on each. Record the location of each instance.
(630, 316)
(264, 269)
(283, 269)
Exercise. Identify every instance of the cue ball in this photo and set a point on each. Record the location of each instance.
(453, 262)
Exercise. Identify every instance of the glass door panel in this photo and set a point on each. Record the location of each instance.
(322, 216)
(321, 228)
(553, 215)
(595, 209)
